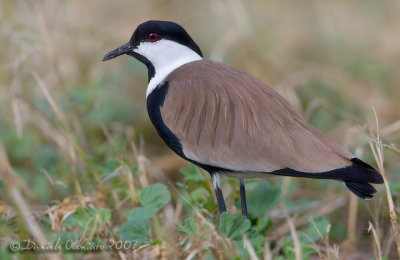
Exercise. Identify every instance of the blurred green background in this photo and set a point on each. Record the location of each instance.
(68, 120)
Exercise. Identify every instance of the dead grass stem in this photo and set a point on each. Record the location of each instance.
(377, 242)
(376, 146)
(290, 222)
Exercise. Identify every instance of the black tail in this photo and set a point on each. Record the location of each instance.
(356, 177)
(362, 188)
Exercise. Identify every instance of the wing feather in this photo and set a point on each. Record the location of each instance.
(201, 117)
(226, 118)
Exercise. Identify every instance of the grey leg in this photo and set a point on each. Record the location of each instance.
(218, 191)
(243, 198)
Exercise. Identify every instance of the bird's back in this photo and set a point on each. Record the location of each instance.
(227, 118)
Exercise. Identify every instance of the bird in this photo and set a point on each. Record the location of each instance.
(231, 123)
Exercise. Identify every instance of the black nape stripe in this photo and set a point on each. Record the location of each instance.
(155, 101)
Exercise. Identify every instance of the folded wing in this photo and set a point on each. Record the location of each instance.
(229, 119)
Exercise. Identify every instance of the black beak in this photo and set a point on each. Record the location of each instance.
(127, 48)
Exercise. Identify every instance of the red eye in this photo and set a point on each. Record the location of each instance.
(152, 37)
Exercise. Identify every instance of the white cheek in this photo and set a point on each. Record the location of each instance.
(166, 56)
(147, 49)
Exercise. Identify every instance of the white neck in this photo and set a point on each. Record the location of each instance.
(166, 56)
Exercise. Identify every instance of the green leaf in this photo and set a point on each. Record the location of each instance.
(193, 180)
(85, 218)
(189, 227)
(105, 214)
(46, 157)
(198, 195)
(394, 188)
(256, 241)
(63, 237)
(233, 226)
(262, 223)
(289, 251)
(192, 173)
(261, 197)
(317, 227)
(141, 213)
(255, 238)
(155, 196)
(135, 231)
(79, 218)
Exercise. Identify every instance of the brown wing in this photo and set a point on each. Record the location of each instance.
(227, 118)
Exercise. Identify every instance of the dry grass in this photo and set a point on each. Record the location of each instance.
(376, 146)
(67, 120)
